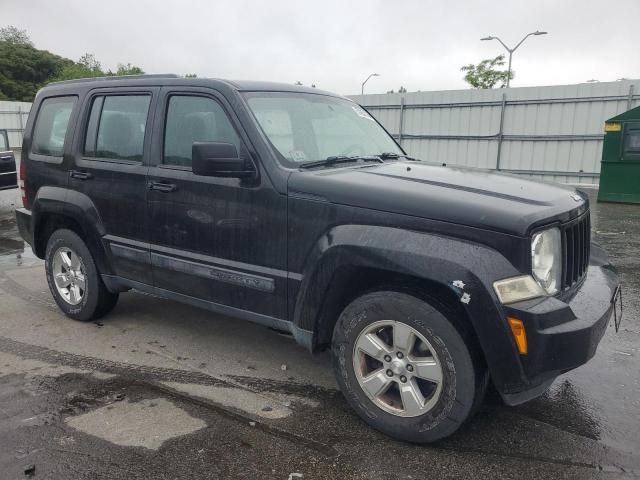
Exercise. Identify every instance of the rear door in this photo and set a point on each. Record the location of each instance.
(110, 167)
(8, 175)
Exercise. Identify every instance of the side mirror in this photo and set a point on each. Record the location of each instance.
(214, 159)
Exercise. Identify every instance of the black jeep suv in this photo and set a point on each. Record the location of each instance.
(294, 208)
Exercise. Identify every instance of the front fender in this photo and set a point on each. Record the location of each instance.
(467, 268)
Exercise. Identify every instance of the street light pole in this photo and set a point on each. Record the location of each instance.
(366, 80)
(511, 50)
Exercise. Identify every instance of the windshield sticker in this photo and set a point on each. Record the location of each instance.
(361, 113)
(298, 156)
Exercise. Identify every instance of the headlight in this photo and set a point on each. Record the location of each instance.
(546, 255)
(516, 289)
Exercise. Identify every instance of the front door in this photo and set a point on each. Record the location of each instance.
(110, 157)
(222, 240)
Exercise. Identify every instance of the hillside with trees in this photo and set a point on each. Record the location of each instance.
(25, 69)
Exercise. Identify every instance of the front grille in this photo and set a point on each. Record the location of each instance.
(576, 248)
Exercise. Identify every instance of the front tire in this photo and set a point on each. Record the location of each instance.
(404, 367)
(74, 280)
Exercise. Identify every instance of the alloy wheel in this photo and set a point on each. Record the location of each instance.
(69, 275)
(397, 368)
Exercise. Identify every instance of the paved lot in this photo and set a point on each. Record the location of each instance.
(161, 390)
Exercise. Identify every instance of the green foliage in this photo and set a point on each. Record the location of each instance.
(486, 75)
(25, 69)
(127, 69)
(86, 67)
(15, 36)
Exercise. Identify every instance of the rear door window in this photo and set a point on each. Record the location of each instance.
(51, 126)
(116, 128)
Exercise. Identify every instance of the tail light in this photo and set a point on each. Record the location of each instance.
(22, 182)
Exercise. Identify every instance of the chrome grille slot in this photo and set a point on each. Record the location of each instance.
(576, 247)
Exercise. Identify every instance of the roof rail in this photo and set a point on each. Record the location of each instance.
(116, 77)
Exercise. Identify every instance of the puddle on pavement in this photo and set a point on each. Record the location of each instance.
(13, 364)
(247, 401)
(147, 423)
(14, 252)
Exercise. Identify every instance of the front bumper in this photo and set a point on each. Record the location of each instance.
(563, 333)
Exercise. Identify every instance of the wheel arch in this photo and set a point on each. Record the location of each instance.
(56, 208)
(456, 274)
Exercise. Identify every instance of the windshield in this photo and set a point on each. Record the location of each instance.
(305, 127)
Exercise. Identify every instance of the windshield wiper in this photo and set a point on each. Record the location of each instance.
(394, 156)
(327, 162)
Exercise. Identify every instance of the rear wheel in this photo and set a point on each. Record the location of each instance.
(405, 368)
(73, 278)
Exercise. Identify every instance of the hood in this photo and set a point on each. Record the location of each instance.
(472, 197)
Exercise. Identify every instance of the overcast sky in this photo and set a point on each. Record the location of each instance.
(336, 44)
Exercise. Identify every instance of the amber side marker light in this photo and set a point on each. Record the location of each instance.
(519, 334)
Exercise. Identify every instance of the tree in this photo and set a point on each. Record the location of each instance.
(486, 75)
(402, 89)
(191, 75)
(15, 36)
(89, 67)
(25, 69)
(127, 69)
(86, 67)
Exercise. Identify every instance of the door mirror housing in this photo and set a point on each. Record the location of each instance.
(217, 159)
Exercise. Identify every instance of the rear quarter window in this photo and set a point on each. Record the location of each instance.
(51, 126)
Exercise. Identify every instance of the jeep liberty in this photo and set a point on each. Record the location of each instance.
(294, 208)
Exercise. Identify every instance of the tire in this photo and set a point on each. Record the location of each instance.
(432, 403)
(68, 260)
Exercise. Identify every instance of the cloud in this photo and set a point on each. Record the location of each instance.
(336, 44)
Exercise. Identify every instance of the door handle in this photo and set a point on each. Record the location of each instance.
(80, 175)
(163, 187)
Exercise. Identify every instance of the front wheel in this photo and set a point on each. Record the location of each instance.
(73, 278)
(404, 367)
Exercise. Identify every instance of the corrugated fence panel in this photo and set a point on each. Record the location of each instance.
(554, 132)
(13, 118)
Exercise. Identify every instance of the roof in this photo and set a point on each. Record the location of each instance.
(172, 79)
(633, 114)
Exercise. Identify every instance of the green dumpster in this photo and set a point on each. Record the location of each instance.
(620, 168)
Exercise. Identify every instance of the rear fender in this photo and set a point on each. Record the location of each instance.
(77, 207)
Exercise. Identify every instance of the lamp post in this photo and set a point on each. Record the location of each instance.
(366, 80)
(511, 50)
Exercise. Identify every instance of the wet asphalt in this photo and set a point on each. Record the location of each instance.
(161, 390)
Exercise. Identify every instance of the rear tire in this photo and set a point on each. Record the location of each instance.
(73, 278)
(404, 367)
